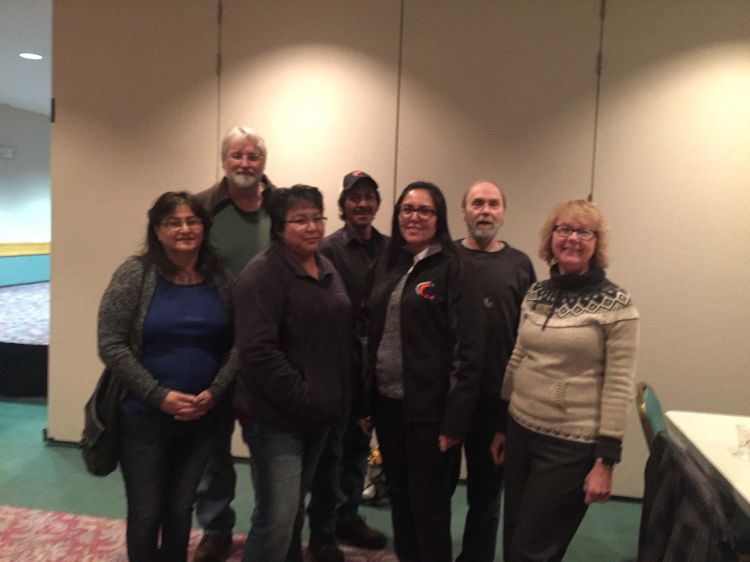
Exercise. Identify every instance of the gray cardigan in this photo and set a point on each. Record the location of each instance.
(122, 312)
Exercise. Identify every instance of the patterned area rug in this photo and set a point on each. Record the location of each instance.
(31, 535)
(24, 314)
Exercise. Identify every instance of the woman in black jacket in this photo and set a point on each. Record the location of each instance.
(293, 331)
(422, 377)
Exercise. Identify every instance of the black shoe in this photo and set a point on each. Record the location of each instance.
(325, 549)
(357, 533)
(213, 548)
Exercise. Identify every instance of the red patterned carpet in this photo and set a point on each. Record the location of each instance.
(30, 535)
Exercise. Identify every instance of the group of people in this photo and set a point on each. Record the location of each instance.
(240, 308)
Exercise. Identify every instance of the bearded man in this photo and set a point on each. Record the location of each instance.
(497, 277)
(240, 229)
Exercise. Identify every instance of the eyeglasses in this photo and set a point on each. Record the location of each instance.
(422, 212)
(251, 156)
(176, 224)
(564, 231)
(301, 222)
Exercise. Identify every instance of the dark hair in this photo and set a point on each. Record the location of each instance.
(280, 200)
(442, 234)
(345, 193)
(153, 251)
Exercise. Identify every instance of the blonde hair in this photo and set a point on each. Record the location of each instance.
(588, 213)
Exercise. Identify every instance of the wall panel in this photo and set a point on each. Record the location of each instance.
(135, 91)
(673, 145)
(319, 81)
(502, 90)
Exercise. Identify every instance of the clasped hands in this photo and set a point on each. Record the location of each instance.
(187, 407)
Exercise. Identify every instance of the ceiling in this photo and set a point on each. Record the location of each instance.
(26, 26)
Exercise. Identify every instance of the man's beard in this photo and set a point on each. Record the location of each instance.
(244, 181)
(484, 234)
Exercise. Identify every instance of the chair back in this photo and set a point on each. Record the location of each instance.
(650, 412)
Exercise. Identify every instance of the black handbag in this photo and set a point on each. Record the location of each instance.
(99, 440)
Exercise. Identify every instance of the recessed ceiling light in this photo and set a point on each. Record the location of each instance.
(30, 56)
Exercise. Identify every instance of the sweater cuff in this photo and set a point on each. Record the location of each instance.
(608, 448)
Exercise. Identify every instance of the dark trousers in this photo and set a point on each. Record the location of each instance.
(216, 489)
(420, 484)
(483, 483)
(339, 479)
(544, 499)
(162, 461)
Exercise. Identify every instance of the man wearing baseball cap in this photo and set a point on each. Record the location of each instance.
(339, 477)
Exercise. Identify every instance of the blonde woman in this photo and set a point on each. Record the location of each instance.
(569, 383)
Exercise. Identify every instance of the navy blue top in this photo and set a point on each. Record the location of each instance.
(185, 334)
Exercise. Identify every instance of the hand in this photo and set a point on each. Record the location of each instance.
(204, 401)
(175, 401)
(598, 484)
(199, 406)
(365, 424)
(445, 443)
(497, 449)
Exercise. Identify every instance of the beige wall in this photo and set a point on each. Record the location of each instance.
(480, 89)
(135, 90)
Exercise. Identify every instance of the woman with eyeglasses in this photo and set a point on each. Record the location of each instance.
(165, 331)
(423, 372)
(293, 321)
(570, 383)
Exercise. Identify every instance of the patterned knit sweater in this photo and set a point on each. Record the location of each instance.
(571, 373)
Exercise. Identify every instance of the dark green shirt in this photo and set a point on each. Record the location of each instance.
(238, 235)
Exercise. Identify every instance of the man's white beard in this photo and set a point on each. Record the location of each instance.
(244, 181)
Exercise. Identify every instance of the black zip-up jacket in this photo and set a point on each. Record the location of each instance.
(294, 337)
(441, 349)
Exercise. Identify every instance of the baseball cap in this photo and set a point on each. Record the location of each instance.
(353, 178)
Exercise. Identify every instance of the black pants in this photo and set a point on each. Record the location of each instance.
(544, 499)
(420, 484)
(483, 483)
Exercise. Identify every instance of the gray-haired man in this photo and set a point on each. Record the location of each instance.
(240, 230)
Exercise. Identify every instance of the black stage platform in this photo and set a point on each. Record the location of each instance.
(24, 340)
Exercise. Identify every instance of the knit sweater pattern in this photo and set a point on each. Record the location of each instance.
(572, 371)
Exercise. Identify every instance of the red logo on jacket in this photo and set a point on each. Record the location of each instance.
(426, 290)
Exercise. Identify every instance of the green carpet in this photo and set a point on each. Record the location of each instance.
(39, 476)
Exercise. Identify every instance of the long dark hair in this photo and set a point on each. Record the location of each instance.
(153, 252)
(442, 234)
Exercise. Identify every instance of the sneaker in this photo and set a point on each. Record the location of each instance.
(357, 533)
(213, 548)
(325, 549)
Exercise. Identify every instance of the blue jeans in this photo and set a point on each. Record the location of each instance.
(216, 488)
(282, 463)
(339, 479)
(162, 461)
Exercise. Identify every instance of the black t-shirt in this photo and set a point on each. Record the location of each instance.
(497, 283)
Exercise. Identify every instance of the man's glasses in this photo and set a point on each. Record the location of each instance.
(251, 156)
